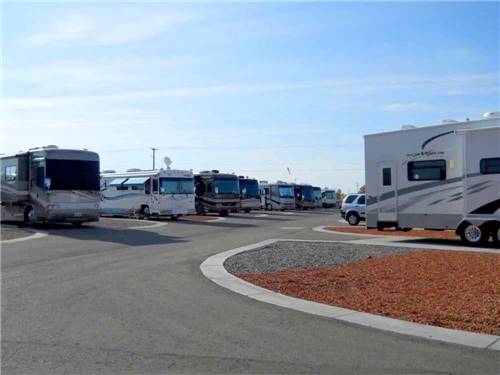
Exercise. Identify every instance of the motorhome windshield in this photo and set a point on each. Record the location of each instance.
(286, 191)
(317, 193)
(172, 185)
(63, 174)
(226, 186)
(307, 192)
(249, 188)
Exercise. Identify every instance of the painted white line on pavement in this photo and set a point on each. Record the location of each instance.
(213, 269)
(261, 215)
(323, 230)
(291, 228)
(33, 236)
(155, 225)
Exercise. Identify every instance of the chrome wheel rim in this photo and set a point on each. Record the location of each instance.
(31, 215)
(352, 219)
(473, 233)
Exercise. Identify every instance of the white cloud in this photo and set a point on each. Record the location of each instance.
(74, 74)
(103, 28)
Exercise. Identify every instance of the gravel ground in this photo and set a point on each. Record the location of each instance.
(13, 233)
(284, 255)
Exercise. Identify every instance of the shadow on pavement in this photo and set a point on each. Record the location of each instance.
(446, 242)
(87, 232)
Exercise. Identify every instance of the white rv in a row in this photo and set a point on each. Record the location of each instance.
(49, 184)
(438, 177)
(144, 193)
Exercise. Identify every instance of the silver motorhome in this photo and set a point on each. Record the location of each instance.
(49, 184)
(249, 194)
(437, 177)
(277, 196)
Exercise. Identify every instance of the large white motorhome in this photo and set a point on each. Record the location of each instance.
(438, 177)
(277, 196)
(329, 198)
(318, 197)
(249, 194)
(49, 184)
(217, 192)
(144, 193)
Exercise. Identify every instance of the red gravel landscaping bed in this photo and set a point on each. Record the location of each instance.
(446, 234)
(457, 290)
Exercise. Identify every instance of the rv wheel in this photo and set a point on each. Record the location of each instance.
(29, 215)
(269, 207)
(145, 212)
(496, 235)
(473, 235)
(352, 218)
(247, 210)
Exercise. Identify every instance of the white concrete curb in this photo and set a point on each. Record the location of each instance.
(33, 236)
(402, 241)
(213, 269)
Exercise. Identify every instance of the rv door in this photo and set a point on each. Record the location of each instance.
(387, 195)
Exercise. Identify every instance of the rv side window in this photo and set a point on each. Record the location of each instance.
(386, 177)
(427, 170)
(361, 199)
(10, 173)
(121, 187)
(490, 166)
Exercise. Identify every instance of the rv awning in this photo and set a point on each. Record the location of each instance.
(136, 180)
(117, 181)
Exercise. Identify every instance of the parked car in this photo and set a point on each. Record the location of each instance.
(353, 208)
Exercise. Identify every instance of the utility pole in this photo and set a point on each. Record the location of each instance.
(154, 156)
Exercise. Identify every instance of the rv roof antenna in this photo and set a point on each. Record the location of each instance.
(167, 161)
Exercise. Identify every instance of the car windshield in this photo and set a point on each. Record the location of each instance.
(63, 174)
(249, 188)
(172, 185)
(226, 186)
(286, 191)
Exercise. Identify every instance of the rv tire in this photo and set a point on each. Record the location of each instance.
(224, 213)
(269, 207)
(247, 210)
(145, 213)
(473, 235)
(29, 215)
(496, 235)
(352, 218)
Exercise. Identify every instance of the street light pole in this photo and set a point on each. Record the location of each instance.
(154, 156)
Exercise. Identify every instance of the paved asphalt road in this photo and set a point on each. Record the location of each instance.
(103, 299)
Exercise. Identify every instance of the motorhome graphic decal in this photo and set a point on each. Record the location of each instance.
(489, 208)
(426, 153)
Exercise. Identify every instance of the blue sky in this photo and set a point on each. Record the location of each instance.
(245, 88)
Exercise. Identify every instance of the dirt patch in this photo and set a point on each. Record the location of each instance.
(198, 218)
(13, 233)
(456, 290)
(446, 234)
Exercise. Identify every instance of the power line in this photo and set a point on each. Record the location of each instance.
(229, 148)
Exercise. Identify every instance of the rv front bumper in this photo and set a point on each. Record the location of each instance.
(72, 212)
(72, 216)
(253, 204)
